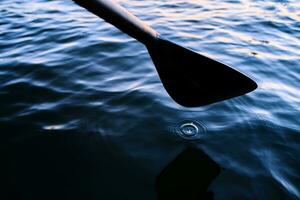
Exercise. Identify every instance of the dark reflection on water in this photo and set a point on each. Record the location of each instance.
(72, 166)
(84, 116)
(187, 177)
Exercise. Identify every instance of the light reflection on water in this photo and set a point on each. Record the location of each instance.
(83, 101)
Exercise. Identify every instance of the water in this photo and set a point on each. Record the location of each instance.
(84, 115)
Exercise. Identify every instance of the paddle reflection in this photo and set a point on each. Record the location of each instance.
(188, 177)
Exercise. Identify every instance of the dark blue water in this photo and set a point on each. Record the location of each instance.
(84, 115)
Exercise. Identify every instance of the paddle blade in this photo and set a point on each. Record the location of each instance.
(195, 80)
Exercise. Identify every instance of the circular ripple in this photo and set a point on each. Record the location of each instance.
(189, 130)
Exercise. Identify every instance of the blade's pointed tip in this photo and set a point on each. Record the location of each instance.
(251, 85)
(255, 85)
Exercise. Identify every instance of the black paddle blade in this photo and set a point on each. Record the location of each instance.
(195, 80)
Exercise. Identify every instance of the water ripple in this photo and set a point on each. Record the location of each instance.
(72, 82)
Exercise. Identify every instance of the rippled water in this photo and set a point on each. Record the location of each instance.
(84, 114)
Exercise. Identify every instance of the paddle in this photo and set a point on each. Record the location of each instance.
(190, 79)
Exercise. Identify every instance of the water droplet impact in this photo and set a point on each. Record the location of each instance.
(190, 130)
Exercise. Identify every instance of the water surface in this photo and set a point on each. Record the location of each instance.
(84, 115)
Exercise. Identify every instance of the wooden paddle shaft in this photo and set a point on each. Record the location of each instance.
(118, 16)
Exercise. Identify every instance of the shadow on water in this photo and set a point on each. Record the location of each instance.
(66, 165)
(188, 177)
(73, 165)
